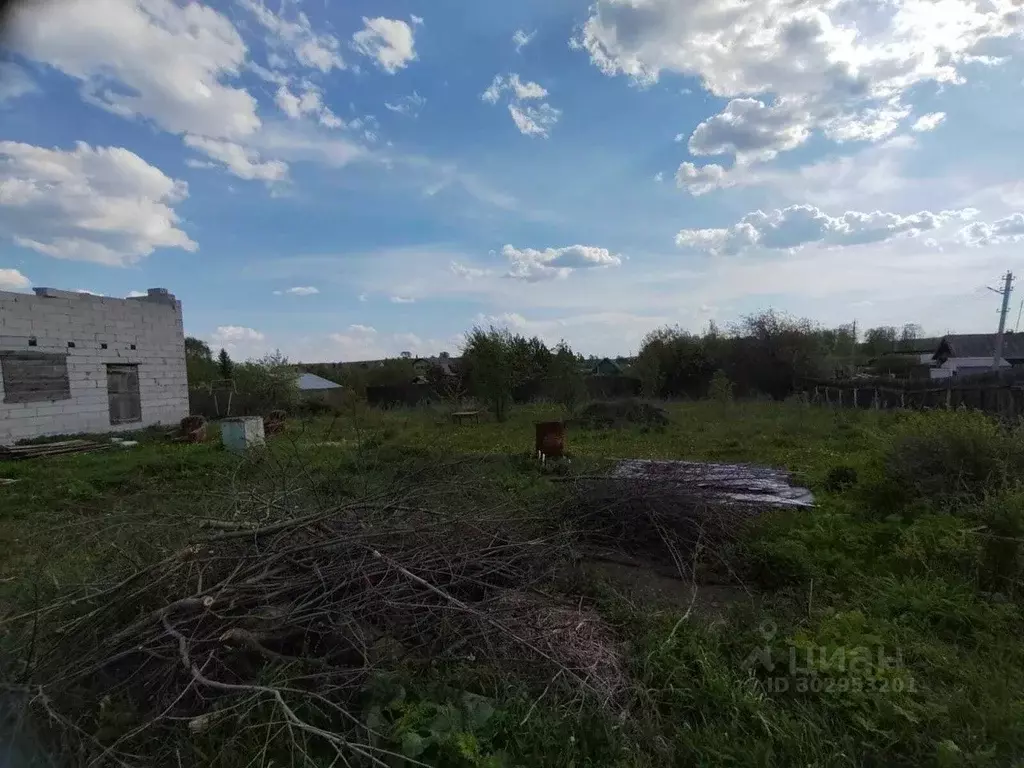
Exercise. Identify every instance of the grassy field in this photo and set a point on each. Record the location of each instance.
(884, 627)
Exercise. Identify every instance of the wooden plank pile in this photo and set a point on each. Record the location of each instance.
(38, 450)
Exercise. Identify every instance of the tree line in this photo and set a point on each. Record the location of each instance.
(766, 353)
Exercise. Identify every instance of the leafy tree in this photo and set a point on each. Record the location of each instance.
(271, 382)
(878, 341)
(225, 367)
(567, 382)
(200, 366)
(488, 358)
(197, 349)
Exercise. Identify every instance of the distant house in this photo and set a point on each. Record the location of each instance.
(313, 387)
(310, 382)
(980, 345)
(955, 367)
(605, 367)
(445, 366)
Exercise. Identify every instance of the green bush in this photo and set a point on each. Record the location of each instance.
(1002, 559)
(947, 458)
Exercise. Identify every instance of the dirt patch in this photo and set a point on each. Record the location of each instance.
(642, 584)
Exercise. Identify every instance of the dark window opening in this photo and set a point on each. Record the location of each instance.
(34, 377)
(71, 345)
(133, 346)
(103, 345)
(32, 342)
(123, 394)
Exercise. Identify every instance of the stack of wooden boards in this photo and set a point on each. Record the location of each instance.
(37, 450)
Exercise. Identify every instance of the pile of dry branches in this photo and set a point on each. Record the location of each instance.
(281, 627)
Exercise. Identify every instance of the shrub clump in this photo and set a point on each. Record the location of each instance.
(620, 414)
(946, 459)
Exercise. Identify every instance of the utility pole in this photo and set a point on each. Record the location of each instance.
(1005, 292)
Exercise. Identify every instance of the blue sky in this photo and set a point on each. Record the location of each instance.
(356, 181)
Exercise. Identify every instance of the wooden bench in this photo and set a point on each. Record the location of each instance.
(461, 417)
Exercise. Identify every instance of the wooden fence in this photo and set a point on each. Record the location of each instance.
(1002, 399)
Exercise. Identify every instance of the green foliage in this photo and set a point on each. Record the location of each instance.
(200, 366)
(720, 388)
(945, 457)
(498, 361)
(225, 367)
(270, 382)
(567, 383)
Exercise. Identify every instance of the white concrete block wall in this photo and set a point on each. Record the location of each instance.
(152, 323)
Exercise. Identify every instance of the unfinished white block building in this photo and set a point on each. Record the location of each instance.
(72, 362)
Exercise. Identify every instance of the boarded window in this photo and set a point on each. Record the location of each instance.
(123, 394)
(32, 377)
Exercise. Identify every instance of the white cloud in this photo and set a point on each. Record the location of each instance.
(522, 91)
(14, 82)
(136, 294)
(1006, 230)
(308, 102)
(303, 290)
(402, 300)
(390, 42)
(104, 204)
(531, 120)
(551, 263)
(659, 177)
(534, 121)
(167, 62)
(799, 225)
(751, 130)
(843, 68)
(407, 105)
(700, 180)
(468, 273)
(929, 122)
(227, 334)
(521, 39)
(238, 160)
(361, 342)
(13, 280)
(417, 21)
(308, 48)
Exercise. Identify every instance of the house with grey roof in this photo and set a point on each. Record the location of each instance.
(980, 345)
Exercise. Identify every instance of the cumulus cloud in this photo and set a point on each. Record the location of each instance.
(556, 263)
(303, 290)
(839, 67)
(297, 38)
(530, 119)
(13, 280)
(1006, 230)
(226, 334)
(929, 122)
(309, 102)
(700, 180)
(238, 160)
(103, 204)
(407, 105)
(390, 42)
(751, 130)
(170, 63)
(800, 225)
(522, 38)
(14, 82)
